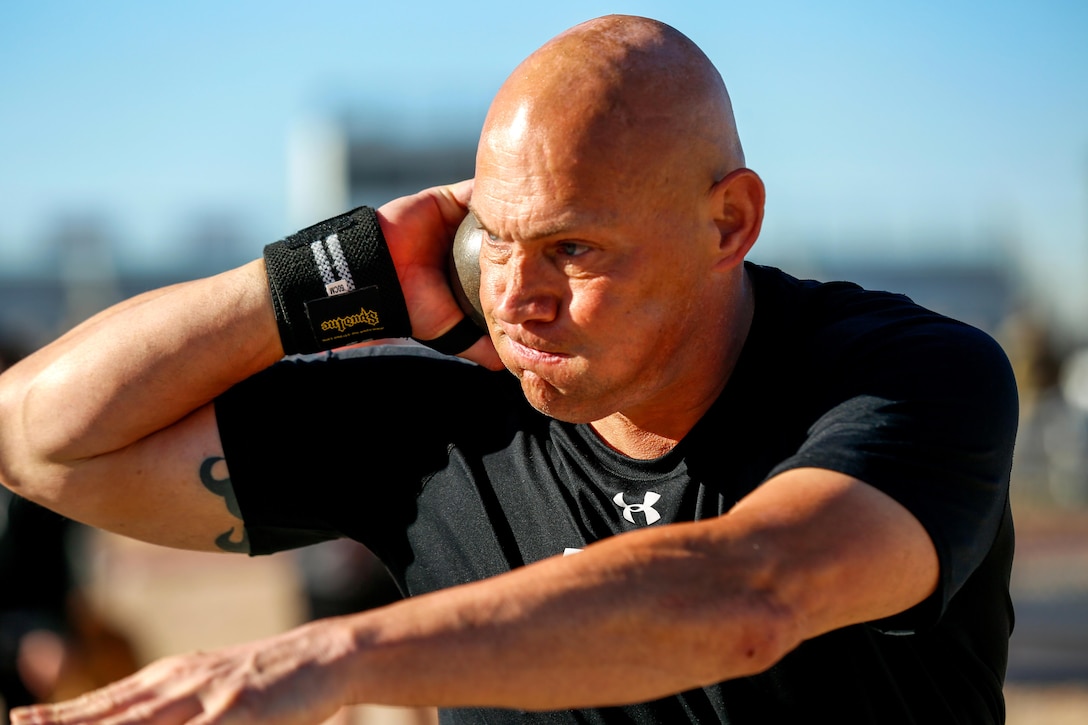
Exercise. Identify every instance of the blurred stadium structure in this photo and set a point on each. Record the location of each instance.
(338, 163)
(334, 165)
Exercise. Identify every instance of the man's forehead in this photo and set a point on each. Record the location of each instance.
(512, 130)
(537, 156)
(504, 211)
(522, 219)
(524, 182)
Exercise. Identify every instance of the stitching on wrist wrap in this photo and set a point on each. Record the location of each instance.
(334, 284)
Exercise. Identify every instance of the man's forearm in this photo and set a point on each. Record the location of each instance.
(135, 369)
(628, 620)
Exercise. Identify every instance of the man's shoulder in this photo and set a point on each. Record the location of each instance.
(776, 288)
(840, 311)
(840, 333)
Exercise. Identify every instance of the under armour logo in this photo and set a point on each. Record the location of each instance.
(646, 507)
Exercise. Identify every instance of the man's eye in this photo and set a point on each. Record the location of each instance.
(572, 249)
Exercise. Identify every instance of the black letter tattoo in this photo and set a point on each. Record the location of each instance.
(222, 487)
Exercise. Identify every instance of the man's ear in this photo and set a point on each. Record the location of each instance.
(737, 205)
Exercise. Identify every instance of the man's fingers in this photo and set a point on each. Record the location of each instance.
(462, 191)
(128, 701)
(84, 711)
(93, 707)
(483, 353)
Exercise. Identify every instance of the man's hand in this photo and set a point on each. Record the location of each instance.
(284, 680)
(412, 225)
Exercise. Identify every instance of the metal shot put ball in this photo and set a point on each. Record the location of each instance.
(465, 269)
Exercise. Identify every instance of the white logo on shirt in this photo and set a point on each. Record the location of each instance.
(646, 507)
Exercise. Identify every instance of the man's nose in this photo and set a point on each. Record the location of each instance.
(523, 288)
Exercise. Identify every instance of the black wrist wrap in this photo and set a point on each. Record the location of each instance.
(457, 339)
(334, 284)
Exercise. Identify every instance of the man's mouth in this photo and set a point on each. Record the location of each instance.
(528, 355)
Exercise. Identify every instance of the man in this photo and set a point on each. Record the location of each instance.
(783, 501)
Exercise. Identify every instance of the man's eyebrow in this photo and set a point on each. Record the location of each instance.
(558, 229)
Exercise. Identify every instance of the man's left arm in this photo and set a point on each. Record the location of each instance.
(809, 551)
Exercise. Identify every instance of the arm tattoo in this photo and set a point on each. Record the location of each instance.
(222, 487)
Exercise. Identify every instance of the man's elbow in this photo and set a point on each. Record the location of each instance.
(772, 635)
(749, 644)
(28, 465)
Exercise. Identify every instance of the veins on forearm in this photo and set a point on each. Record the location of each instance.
(222, 487)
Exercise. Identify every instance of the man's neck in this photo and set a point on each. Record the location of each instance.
(621, 434)
(653, 431)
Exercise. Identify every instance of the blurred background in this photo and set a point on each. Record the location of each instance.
(936, 148)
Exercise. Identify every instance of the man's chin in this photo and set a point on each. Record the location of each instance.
(556, 403)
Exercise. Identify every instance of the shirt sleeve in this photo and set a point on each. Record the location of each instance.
(925, 409)
(320, 447)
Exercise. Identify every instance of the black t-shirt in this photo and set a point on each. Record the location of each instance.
(449, 476)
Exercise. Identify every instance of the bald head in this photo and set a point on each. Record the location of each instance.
(609, 183)
(621, 93)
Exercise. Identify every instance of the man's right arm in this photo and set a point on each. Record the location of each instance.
(113, 423)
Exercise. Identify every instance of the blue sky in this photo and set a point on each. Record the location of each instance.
(892, 130)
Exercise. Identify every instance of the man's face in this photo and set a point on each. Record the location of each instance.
(591, 274)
